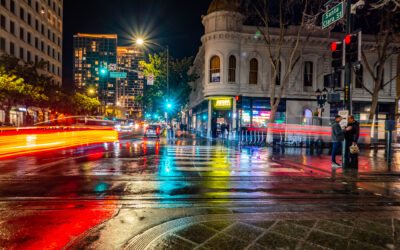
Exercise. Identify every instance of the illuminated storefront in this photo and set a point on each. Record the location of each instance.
(256, 112)
(215, 113)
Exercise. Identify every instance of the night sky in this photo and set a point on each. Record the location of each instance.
(173, 22)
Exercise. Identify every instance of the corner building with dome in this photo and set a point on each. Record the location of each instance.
(235, 73)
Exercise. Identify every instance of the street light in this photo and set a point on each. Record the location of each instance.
(321, 97)
(91, 91)
(321, 100)
(141, 42)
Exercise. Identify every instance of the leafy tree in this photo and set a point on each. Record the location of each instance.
(85, 105)
(155, 97)
(11, 89)
(37, 85)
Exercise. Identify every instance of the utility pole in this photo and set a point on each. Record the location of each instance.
(347, 87)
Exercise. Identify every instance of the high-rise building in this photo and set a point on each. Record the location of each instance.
(129, 88)
(94, 56)
(32, 31)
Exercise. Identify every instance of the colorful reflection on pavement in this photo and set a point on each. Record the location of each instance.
(50, 199)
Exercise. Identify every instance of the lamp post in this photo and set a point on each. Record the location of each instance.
(142, 42)
(321, 100)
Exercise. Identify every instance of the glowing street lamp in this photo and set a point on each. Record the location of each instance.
(140, 41)
(91, 91)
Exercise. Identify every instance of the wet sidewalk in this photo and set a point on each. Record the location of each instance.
(370, 162)
(262, 231)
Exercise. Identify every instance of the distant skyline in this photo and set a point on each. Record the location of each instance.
(173, 22)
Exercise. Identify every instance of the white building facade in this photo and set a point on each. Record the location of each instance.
(233, 68)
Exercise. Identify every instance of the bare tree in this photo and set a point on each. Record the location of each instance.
(383, 19)
(283, 25)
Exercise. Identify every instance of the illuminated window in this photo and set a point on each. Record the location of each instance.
(253, 78)
(232, 69)
(215, 69)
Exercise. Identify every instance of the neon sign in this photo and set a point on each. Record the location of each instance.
(223, 104)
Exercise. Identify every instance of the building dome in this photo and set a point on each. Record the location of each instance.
(217, 5)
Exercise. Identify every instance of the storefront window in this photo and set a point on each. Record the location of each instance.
(246, 103)
(261, 118)
(245, 118)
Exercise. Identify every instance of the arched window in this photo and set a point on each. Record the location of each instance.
(307, 117)
(308, 74)
(253, 79)
(232, 69)
(215, 69)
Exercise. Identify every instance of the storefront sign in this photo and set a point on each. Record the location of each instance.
(223, 104)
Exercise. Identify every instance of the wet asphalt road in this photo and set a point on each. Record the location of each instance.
(57, 199)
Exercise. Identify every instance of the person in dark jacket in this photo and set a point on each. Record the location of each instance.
(351, 136)
(337, 138)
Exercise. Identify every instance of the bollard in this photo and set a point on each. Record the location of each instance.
(251, 138)
(262, 138)
(390, 125)
(389, 147)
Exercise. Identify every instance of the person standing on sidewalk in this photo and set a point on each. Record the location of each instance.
(351, 136)
(338, 135)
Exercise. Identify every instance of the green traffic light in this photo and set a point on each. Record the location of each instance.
(169, 105)
(103, 71)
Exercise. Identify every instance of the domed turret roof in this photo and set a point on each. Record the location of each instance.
(217, 5)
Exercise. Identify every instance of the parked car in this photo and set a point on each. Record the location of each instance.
(152, 131)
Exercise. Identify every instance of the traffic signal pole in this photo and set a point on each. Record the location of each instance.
(347, 88)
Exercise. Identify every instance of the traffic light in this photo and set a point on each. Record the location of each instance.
(337, 54)
(353, 47)
(238, 101)
(103, 71)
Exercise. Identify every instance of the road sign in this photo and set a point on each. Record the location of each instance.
(344, 114)
(117, 75)
(150, 80)
(112, 67)
(332, 15)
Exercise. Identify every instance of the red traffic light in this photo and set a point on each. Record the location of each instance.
(347, 40)
(334, 46)
(237, 98)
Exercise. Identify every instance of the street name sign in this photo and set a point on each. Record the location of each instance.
(344, 114)
(332, 15)
(117, 75)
